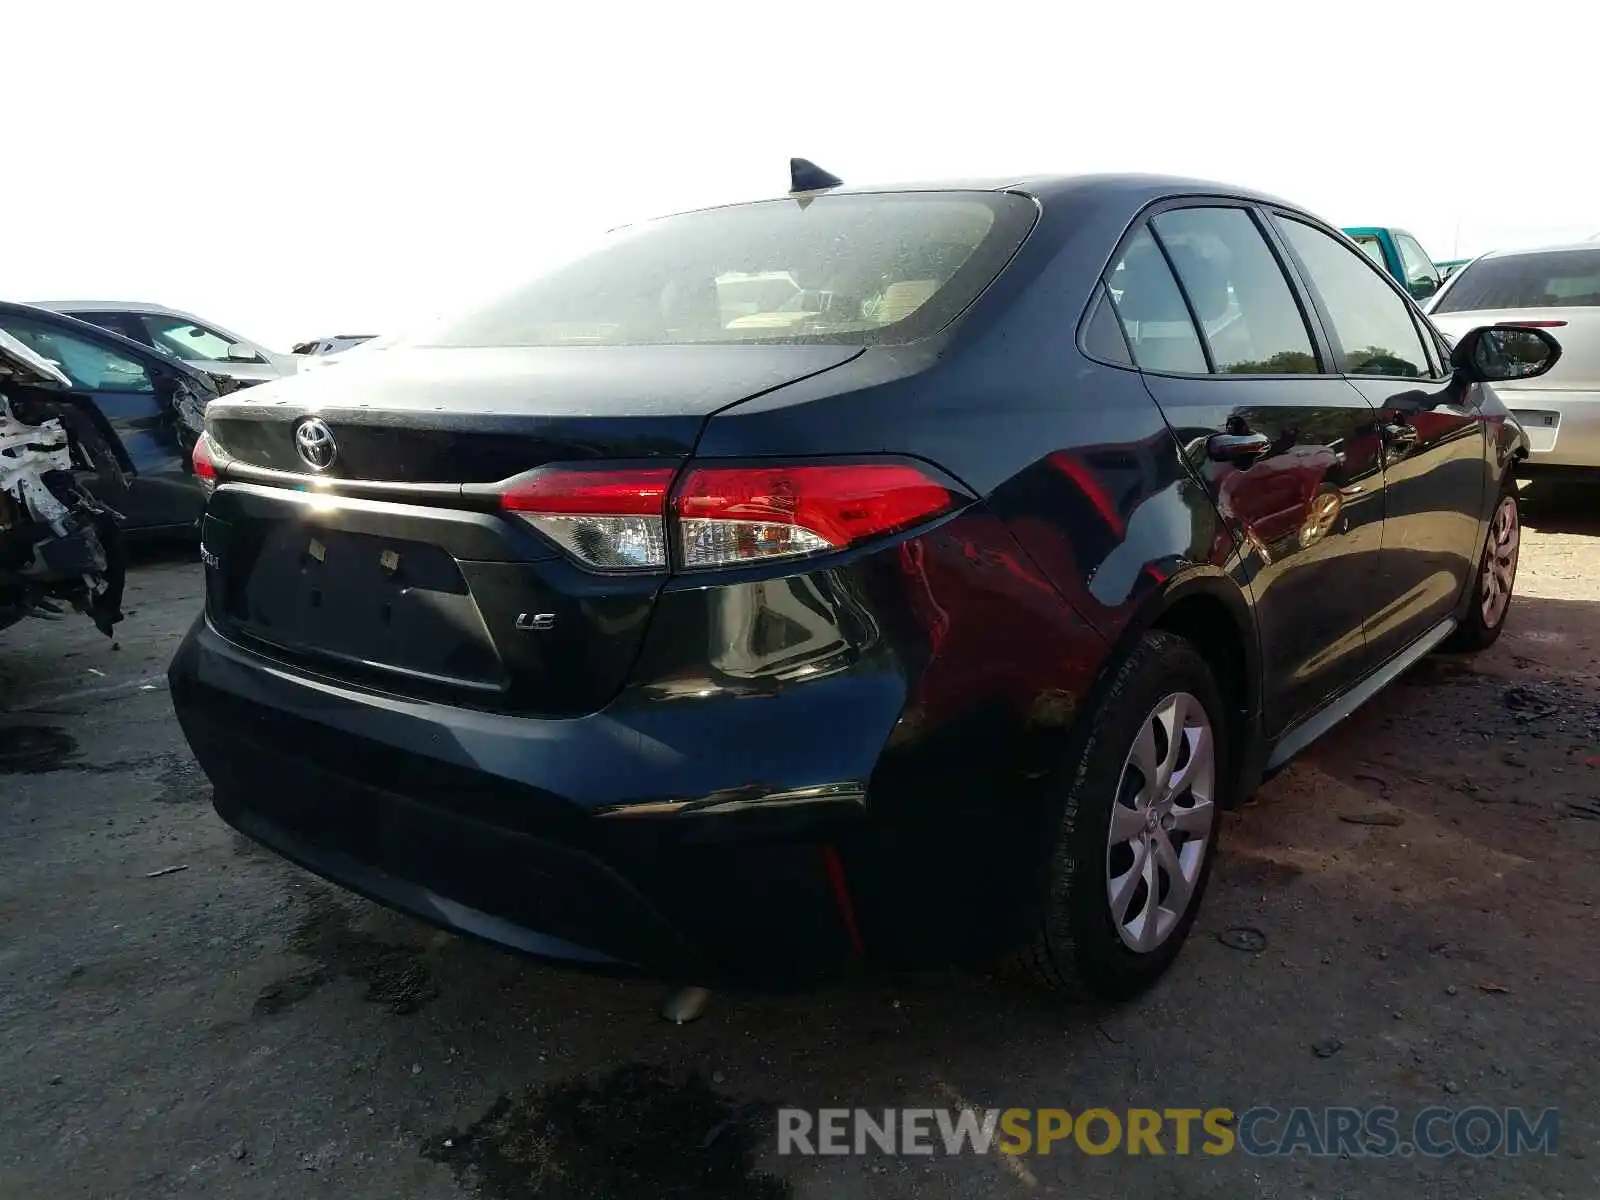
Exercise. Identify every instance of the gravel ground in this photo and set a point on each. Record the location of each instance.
(1417, 894)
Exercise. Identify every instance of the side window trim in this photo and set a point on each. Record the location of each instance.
(1297, 289)
(1141, 224)
(1188, 303)
(1329, 352)
(1309, 314)
(1284, 214)
(1438, 350)
(1428, 349)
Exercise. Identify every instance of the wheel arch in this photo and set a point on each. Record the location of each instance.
(1208, 608)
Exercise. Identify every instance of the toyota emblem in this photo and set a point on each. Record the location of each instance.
(314, 440)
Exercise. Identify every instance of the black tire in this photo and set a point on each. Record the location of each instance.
(1078, 952)
(1476, 631)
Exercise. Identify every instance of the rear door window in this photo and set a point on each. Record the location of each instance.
(1154, 317)
(1251, 319)
(1371, 321)
(1546, 279)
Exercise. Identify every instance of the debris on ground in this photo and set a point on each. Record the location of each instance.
(1524, 700)
(1243, 937)
(1390, 819)
(166, 871)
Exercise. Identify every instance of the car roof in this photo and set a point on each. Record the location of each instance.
(1561, 249)
(1132, 189)
(110, 306)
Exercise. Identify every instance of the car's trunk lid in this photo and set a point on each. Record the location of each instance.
(478, 416)
(388, 566)
(1577, 329)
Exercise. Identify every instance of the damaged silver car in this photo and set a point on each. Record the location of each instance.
(59, 547)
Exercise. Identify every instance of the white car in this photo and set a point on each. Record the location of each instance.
(365, 346)
(184, 336)
(1558, 289)
(337, 344)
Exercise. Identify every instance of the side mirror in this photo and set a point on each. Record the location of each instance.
(1422, 287)
(239, 352)
(1503, 353)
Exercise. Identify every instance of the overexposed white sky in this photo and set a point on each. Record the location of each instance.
(293, 170)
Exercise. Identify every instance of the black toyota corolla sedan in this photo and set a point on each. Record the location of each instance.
(866, 575)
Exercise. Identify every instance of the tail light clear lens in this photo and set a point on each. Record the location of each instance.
(729, 516)
(611, 519)
(617, 518)
(203, 458)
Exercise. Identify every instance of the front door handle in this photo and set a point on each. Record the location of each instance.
(1229, 447)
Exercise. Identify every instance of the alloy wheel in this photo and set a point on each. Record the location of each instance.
(1500, 561)
(1161, 822)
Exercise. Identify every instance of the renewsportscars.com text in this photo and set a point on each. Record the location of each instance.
(1261, 1132)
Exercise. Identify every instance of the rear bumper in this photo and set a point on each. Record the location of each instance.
(566, 840)
(801, 772)
(1563, 427)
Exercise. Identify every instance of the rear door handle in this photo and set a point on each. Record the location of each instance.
(1400, 435)
(1227, 447)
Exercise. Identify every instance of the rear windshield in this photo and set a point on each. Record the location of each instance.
(853, 269)
(1552, 279)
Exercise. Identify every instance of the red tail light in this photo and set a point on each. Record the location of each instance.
(734, 515)
(612, 518)
(617, 518)
(205, 464)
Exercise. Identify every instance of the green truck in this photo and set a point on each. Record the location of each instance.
(1400, 254)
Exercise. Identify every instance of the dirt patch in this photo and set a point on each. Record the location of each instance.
(396, 976)
(183, 782)
(284, 994)
(633, 1134)
(34, 749)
